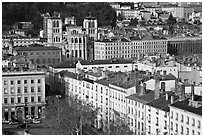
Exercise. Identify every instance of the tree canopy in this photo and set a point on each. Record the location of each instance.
(67, 115)
(13, 12)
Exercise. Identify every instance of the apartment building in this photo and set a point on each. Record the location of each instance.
(23, 94)
(109, 49)
(39, 54)
(186, 116)
(128, 13)
(114, 65)
(179, 12)
(157, 113)
(137, 110)
(18, 42)
(184, 46)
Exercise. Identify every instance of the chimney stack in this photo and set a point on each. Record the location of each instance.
(157, 92)
(143, 89)
(172, 99)
(192, 91)
(183, 91)
(167, 96)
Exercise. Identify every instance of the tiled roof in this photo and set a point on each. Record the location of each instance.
(162, 103)
(111, 61)
(184, 105)
(72, 64)
(104, 82)
(65, 64)
(69, 74)
(148, 97)
(94, 74)
(36, 48)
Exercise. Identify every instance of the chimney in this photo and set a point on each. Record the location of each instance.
(157, 92)
(172, 99)
(143, 89)
(164, 73)
(183, 91)
(167, 96)
(192, 91)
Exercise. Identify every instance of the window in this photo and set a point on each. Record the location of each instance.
(39, 98)
(187, 120)
(19, 82)
(176, 128)
(193, 132)
(157, 123)
(32, 89)
(39, 89)
(5, 83)
(25, 89)
(181, 118)
(176, 116)
(165, 124)
(199, 124)
(5, 101)
(125, 66)
(19, 99)
(193, 122)
(5, 91)
(32, 99)
(181, 130)
(12, 90)
(32, 81)
(25, 81)
(12, 82)
(12, 100)
(117, 66)
(172, 114)
(25, 99)
(187, 131)
(19, 90)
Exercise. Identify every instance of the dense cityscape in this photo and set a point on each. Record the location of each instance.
(101, 68)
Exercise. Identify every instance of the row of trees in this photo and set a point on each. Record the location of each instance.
(71, 116)
(67, 115)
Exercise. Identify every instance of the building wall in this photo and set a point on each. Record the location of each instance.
(184, 47)
(191, 76)
(43, 57)
(169, 84)
(54, 31)
(197, 90)
(110, 67)
(91, 26)
(157, 122)
(20, 41)
(127, 50)
(172, 70)
(12, 89)
(184, 124)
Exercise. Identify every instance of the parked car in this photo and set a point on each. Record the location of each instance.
(36, 121)
(22, 125)
(13, 122)
(5, 122)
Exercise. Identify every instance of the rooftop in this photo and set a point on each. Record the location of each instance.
(65, 64)
(34, 47)
(146, 98)
(94, 74)
(184, 105)
(162, 103)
